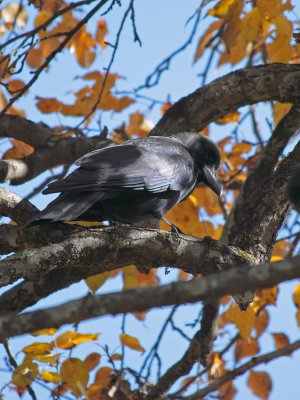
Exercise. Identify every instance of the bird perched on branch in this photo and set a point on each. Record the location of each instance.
(134, 181)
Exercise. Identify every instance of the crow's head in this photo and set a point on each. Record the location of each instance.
(206, 156)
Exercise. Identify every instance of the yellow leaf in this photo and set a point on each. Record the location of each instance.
(270, 8)
(96, 281)
(245, 348)
(85, 337)
(82, 45)
(280, 50)
(38, 348)
(51, 359)
(221, 9)
(48, 331)
(260, 384)
(232, 116)
(296, 295)
(276, 258)
(131, 342)
(75, 373)
(92, 360)
(283, 26)
(53, 377)
(65, 340)
(251, 26)
(262, 321)
(130, 277)
(25, 373)
(243, 320)
(279, 111)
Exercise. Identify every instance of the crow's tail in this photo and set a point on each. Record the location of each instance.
(67, 207)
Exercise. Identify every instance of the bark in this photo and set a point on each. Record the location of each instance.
(214, 286)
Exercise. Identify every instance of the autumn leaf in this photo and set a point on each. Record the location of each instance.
(92, 360)
(25, 373)
(103, 377)
(101, 32)
(296, 295)
(280, 340)
(243, 320)
(38, 349)
(246, 348)
(41, 332)
(261, 322)
(232, 116)
(260, 384)
(65, 340)
(205, 39)
(96, 281)
(49, 376)
(221, 9)
(75, 373)
(48, 105)
(131, 342)
(85, 337)
(12, 13)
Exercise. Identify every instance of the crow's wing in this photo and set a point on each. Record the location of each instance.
(131, 166)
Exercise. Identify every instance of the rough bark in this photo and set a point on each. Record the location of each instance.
(214, 286)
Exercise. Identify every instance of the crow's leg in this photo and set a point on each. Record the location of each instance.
(174, 228)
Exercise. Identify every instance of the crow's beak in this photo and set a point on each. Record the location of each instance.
(210, 177)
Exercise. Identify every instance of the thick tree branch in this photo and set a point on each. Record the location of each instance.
(18, 209)
(236, 280)
(279, 82)
(90, 251)
(255, 230)
(46, 143)
(263, 359)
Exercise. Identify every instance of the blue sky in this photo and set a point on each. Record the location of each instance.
(161, 26)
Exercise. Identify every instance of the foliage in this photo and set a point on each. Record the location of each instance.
(226, 34)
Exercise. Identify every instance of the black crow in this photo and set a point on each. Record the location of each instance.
(294, 188)
(134, 181)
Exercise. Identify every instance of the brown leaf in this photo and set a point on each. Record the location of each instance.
(49, 105)
(261, 323)
(92, 360)
(280, 340)
(245, 348)
(260, 384)
(101, 32)
(25, 373)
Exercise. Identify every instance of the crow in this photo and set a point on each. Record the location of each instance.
(294, 188)
(134, 181)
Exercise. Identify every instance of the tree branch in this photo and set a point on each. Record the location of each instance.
(79, 254)
(214, 286)
(18, 209)
(242, 87)
(265, 358)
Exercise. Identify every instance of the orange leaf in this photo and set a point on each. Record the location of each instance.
(15, 85)
(279, 111)
(82, 45)
(130, 277)
(240, 148)
(75, 373)
(280, 50)
(243, 320)
(232, 116)
(245, 348)
(92, 360)
(101, 32)
(165, 107)
(35, 58)
(85, 337)
(116, 357)
(260, 384)
(48, 105)
(266, 296)
(280, 340)
(131, 342)
(206, 38)
(103, 377)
